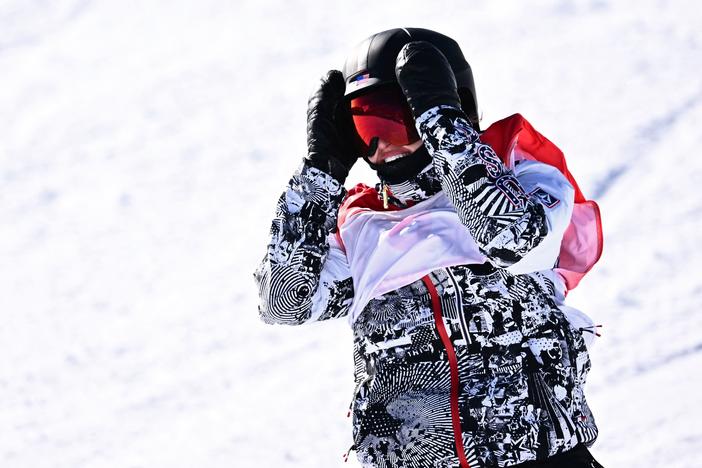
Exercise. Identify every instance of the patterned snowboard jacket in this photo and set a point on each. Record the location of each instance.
(465, 357)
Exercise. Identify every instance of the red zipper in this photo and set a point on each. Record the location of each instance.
(453, 366)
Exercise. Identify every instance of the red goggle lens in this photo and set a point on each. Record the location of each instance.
(385, 114)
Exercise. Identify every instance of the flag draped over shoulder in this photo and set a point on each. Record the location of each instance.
(514, 138)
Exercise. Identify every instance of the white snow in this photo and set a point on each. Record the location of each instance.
(143, 145)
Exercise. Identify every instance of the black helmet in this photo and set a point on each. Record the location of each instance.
(372, 63)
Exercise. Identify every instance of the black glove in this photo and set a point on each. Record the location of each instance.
(425, 77)
(329, 128)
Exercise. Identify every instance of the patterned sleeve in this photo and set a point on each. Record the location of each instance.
(304, 275)
(505, 222)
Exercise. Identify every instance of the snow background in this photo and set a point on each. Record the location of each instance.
(143, 145)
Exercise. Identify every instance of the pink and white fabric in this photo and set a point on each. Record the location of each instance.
(386, 250)
(389, 248)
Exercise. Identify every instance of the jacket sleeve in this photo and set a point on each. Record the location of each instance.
(304, 275)
(505, 222)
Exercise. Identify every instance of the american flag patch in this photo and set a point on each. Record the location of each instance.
(362, 77)
(546, 198)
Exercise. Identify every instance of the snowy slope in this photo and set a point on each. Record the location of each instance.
(144, 144)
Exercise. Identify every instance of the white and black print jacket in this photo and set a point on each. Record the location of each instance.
(469, 365)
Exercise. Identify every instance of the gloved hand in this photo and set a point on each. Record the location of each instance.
(425, 77)
(329, 128)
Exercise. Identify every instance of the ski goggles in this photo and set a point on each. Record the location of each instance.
(383, 113)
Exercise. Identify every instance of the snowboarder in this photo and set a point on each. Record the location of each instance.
(452, 271)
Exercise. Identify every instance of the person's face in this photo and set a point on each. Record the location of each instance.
(387, 152)
(385, 115)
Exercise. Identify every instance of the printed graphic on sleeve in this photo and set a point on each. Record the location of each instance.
(294, 287)
(489, 200)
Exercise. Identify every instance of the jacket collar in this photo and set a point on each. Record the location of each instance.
(418, 188)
